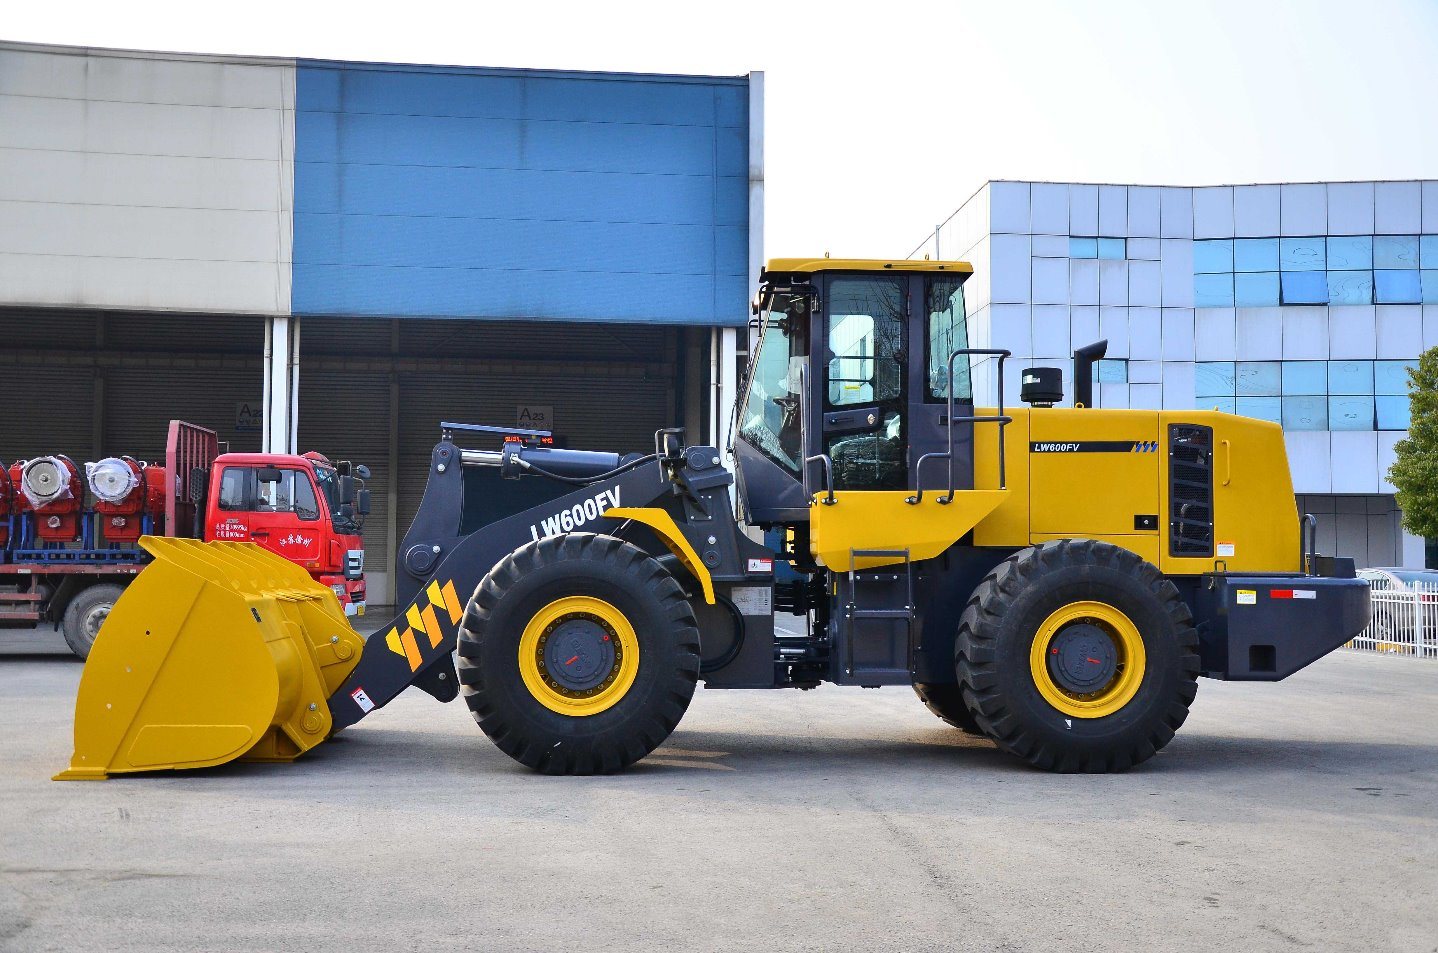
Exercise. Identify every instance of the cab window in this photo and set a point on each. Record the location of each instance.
(866, 340)
(864, 333)
(770, 420)
(242, 490)
(947, 333)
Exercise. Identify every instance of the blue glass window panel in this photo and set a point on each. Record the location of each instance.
(1225, 405)
(1350, 253)
(1428, 251)
(1392, 412)
(1350, 413)
(1301, 254)
(1391, 377)
(1430, 287)
(1258, 290)
(1259, 378)
(1305, 413)
(1397, 287)
(1083, 247)
(1392, 251)
(1111, 372)
(1304, 287)
(1113, 249)
(1213, 291)
(1264, 408)
(1213, 256)
(1350, 377)
(1305, 377)
(1213, 379)
(1255, 254)
(1350, 287)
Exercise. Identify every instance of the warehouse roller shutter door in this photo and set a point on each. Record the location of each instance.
(161, 367)
(48, 403)
(47, 411)
(140, 402)
(592, 411)
(345, 416)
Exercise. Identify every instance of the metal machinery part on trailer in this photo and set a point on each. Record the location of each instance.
(1053, 578)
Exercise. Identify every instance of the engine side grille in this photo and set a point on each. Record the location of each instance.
(1190, 490)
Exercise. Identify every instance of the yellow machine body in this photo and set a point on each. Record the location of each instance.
(216, 652)
(1050, 493)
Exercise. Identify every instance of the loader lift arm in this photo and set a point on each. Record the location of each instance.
(442, 560)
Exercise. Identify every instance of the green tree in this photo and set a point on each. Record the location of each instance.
(1415, 471)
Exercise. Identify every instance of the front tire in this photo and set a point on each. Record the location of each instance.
(578, 654)
(1078, 655)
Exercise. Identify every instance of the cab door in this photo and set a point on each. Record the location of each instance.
(862, 401)
(275, 507)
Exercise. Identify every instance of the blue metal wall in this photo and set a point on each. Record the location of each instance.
(506, 194)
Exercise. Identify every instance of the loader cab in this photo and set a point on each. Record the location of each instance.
(849, 383)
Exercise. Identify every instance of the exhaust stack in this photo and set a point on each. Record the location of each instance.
(1084, 359)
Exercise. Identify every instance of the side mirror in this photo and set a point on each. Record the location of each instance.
(268, 474)
(362, 502)
(347, 490)
(361, 471)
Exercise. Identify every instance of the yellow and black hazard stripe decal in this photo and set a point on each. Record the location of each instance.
(1093, 446)
(425, 621)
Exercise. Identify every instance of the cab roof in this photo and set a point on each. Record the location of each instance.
(292, 460)
(808, 266)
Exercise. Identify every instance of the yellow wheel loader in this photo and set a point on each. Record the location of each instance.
(1055, 579)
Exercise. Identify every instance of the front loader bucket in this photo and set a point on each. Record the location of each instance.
(216, 651)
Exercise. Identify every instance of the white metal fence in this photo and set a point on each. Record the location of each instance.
(1405, 621)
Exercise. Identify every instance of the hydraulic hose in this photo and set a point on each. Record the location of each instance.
(584, 481)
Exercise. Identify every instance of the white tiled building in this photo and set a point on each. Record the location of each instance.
(1301, 303)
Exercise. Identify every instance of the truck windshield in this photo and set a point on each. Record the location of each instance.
(771, 418)
(330, 487)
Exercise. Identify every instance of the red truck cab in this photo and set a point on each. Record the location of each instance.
(303, 508)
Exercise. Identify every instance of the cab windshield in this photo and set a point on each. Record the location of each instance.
(770, 420)
(328, 479)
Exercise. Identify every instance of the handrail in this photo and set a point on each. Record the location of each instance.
(1308, 544)
(1000, 418)
(828, 475)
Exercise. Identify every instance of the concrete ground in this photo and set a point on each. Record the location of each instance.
(1297, 815)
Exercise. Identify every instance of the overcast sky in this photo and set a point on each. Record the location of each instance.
(883, 118)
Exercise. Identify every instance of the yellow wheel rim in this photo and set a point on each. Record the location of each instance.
(578, 656)
(1087, 660)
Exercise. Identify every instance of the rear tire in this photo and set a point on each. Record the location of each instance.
(85, 614)
(601, 606)
(1050, 617)
(947, 702)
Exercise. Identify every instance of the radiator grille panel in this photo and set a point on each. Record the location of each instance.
(1190, 490)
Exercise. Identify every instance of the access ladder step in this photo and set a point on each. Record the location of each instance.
(12, 596)
(878, 554)
(856, 613)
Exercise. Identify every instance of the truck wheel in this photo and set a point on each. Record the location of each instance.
(578, 654)
(85, 614)
(947, 701)
(1078, 655)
